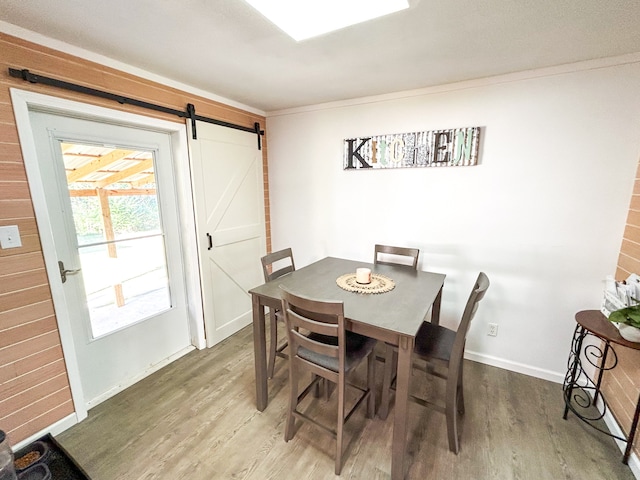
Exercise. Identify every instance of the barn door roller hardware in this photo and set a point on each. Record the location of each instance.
(189, 113)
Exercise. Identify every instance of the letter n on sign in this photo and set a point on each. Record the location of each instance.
(433, 148)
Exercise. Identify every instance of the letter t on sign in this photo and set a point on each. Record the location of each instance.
(356, 153)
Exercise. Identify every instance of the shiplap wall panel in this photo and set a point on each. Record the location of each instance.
(630, 249)
(629, 264)
(28, 364)
(23, 280)
(18, 351)
(45, 396)
(20, 263)
(12, 154)
(42, 419)
(16, 209)
(28, 313)
(13, 190)
(22, 384)
(27, 226)
(12, 171)
(19, 298)
(56, 382)
(30, 398)
(635, 201)
(621, 385)
(26, 331)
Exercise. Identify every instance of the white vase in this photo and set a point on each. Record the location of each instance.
(629, 332)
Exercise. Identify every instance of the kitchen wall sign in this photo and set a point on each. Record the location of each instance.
(433, 148)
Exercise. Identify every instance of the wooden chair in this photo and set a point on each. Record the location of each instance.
(329, 352)
(396, 256)
(443, 351)
(402, 256)
(275, 265)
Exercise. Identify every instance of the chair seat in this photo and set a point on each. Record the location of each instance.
(357, 347)
(434, 341)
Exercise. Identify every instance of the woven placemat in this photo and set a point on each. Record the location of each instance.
(379, 283)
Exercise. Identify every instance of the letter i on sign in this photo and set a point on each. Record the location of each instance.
(383, 149)
(373, 151)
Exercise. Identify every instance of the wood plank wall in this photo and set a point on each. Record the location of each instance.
(622, 385)
(34, 388)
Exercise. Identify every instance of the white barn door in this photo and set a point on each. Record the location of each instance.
(230, 222)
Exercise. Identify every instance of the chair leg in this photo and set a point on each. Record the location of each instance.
(273, 346)
(371, 385)
(451, 412)
(340, 426)
(460, 392)
(293, 402)
(390, 362)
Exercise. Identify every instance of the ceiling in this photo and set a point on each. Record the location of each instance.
(226, 48)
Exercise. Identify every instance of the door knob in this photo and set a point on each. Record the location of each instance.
(64, 272)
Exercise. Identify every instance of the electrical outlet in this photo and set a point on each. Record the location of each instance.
(493, 330)
(10, 237)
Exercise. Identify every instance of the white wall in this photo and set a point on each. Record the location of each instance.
(543, 215)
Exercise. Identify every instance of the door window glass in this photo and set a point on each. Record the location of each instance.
(121, 245)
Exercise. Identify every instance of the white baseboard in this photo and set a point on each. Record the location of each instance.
(555, 377)
(130, 381)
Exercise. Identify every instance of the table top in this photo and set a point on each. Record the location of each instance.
(599, 325)
(401, 310)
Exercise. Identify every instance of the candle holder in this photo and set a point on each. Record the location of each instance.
(363, 276)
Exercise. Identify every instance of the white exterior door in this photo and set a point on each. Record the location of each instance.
(230, 222)
(109, 362)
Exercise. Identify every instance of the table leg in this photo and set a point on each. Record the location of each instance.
(435, 309)
(260, 353)
(405, 350)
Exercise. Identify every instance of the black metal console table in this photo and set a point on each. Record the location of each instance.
(581, 392)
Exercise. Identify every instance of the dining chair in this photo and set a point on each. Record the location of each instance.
(328, 352)
(443, 351)
(397, 256)
(390, 255)
(276, 265)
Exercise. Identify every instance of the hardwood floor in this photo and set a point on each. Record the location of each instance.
(196, 419)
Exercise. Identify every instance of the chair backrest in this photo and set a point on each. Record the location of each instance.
(477, 294)
(396, 253)
(323, 323)
(272, 271)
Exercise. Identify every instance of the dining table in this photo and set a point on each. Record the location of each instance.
(393, 317)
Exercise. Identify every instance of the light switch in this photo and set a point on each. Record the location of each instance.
(10, 237)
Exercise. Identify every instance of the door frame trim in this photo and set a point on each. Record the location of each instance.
(24, 101)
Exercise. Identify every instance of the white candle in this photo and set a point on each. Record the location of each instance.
(363, 275)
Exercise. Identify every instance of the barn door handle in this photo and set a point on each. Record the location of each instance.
(210, 242)
(64, 272)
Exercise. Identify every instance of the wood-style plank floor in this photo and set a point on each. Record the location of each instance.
(196, 419)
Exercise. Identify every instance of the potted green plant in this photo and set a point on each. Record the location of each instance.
(628, 320)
